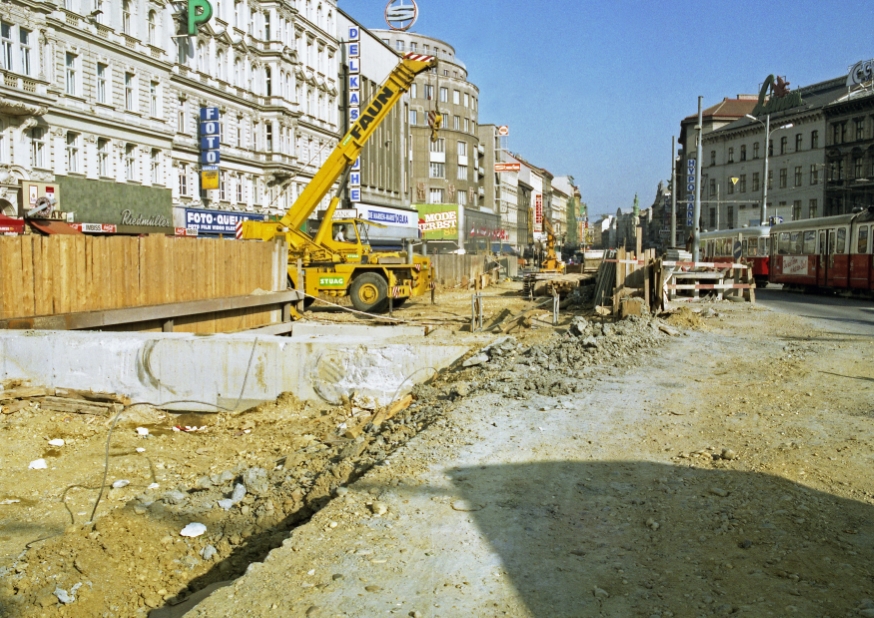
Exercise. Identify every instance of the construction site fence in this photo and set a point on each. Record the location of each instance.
(64, 274)
(453, 270)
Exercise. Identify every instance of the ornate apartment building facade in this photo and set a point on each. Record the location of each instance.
(104, 100)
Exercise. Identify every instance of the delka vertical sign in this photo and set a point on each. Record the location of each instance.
(354, 56)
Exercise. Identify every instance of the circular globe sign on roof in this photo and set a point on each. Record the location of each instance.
(401, 14)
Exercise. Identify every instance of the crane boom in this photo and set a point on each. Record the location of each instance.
(349, 147)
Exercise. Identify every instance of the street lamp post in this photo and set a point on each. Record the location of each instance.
(768, 132)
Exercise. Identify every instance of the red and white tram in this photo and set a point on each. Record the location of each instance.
(755, 244)
(832, 253)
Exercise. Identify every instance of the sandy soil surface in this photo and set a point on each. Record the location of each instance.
(627, 473)
(728, 474)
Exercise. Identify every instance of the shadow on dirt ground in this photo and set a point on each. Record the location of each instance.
(643, 539)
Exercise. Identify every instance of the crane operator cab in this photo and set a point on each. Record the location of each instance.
(344, 232)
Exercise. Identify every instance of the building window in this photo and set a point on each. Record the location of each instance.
(836, 133)
(743, 183)
(435, 196)
(399, 45)
(456, 123)
(712, 225)
(467, 125)
(456, 97)
(462, 198)
(102, 72)
(6, 39)
(223, 195)
(414, 117)
(267, 32)
(429, 92)
(414, 46)
(712, 187)
(755, 181)
(239, 190)
(462, 149)
(126, 17)
(129, 91)
(462, 172)
(798, 175)
(814, 174)
(414, 91)
(812, 209)
(784, 141)
(730, 187)
(770, 148)
(155, 167)
(731, 155)
(238, 18)
(466, 100)
(860, 129)
(130, 160)
(437, 146)
(712, 158)
(814, 139)
(798, 140)
(743, 152)
(437, 170)
(770, 179)
(24, 50)
(102, 157)
(756, 150)
(730, 222)
(783, 177)
(153, 99)
(153, 28)
(70, 62)
(444, 95)
(857, 167)
(73, 164)
(796, 210)
(183, 179)
(37, 147)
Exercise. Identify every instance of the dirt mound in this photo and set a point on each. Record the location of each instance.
(686, 318)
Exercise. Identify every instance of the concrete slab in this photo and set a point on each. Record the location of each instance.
(302, 330)
(230, 371)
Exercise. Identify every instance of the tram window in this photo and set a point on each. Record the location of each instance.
(762, 249)
(822, 242)
(809, 246)
(744, 248)
(795, 243)
(842, 240)
(862, 244)
(767, 246)
(783, 243)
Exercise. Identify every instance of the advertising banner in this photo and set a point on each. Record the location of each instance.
(438, 221)
(538, 213)
(795, 265)
(217, 221)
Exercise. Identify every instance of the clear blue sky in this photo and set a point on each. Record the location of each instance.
(596, 90)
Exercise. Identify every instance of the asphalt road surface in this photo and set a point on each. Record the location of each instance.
(847, 315)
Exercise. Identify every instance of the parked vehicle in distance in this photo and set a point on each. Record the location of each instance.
(755, 244)
(828, 253)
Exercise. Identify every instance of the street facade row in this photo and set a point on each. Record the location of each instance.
(102, 110)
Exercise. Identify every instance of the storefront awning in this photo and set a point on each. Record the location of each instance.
(49, 227)
(11, 225)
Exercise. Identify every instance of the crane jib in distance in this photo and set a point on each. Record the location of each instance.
(345, 264)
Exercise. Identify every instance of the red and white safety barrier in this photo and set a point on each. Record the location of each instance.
(709, 286)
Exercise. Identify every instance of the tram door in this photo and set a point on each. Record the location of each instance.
(824, 255)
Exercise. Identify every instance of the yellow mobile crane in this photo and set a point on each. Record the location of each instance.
(552, 262)
(343, 264)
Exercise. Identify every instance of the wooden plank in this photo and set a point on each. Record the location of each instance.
(12, 265)
(27, 299)
(42, 293)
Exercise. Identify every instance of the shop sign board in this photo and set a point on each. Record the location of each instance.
(217, 221)
(438, 221)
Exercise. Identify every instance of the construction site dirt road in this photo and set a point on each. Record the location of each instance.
(705, 464)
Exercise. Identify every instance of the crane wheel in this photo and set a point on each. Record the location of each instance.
(369, 292)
